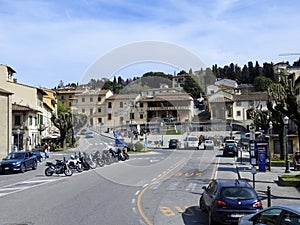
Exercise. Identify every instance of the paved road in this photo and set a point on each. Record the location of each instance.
(159, 187)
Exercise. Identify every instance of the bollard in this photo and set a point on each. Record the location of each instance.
(269, 195)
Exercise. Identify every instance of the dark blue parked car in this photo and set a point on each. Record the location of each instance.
(18, 162)
(226, 200)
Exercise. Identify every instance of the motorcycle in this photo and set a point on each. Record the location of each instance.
(89, 160)
(114, 155)
(123, 155)
(60, 167)
(84, 163)
(75, 164)
(97, 157)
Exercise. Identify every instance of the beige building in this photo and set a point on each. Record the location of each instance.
(27, 110)
(5, 122)
(226, 106)
(123, 110)
(93, 104)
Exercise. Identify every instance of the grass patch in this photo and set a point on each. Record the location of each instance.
(291, 177)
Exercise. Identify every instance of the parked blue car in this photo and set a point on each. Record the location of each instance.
(226, 200)
(18, 162)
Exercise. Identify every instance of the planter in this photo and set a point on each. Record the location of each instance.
(288, 183)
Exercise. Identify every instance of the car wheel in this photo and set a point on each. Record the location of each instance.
(34, 165)
(23, 168)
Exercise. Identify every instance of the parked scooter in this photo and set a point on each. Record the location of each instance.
(123, 155)
(75, 164)
(60, 167)
(89, 160)
(83, 162)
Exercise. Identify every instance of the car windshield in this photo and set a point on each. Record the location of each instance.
(15, 156)
(239, 193)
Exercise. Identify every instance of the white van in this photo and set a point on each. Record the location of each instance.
(191, 142)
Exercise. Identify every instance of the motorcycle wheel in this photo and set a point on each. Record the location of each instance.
(100, 163)
(68, 172)
(48, 172)
(93, 165)
(79, 168)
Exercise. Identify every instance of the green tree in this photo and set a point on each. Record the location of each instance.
(192, 87)
(262, 83)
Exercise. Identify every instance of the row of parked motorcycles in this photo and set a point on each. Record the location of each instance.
(85, 161)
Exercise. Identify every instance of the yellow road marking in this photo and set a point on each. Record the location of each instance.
(214, 170)
(139, 199)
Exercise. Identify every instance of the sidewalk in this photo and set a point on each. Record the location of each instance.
(279, 194)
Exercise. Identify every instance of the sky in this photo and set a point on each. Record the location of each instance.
(46, 41)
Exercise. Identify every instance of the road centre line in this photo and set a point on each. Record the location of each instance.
(143, 215)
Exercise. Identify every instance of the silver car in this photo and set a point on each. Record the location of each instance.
(274, 215)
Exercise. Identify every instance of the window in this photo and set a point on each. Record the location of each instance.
(141, 116)
(99, 98)
(132, 116)
(83, 100)
(99, 120)
(251, 103)
(290, 218)
(70, 104)
(109, 105)
(267, 217)
(83, 110)
(91, 111)
(62, 98)
(91, 99)
(109, 116)
(121, 104)
(17, 120)
(238, 113)
(30, 120)
(99, 110)
(238, 103)
(70, 96)
(141, 105)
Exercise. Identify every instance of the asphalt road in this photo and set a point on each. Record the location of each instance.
(160, 187)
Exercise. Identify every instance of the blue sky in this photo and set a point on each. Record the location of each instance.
(48, 41)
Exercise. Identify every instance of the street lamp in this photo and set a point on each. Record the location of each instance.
(162, 134)
(287, 162)
(269, 154)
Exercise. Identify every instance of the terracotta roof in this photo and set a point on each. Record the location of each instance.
(255, 96)
(129, 97)
(167, 97)
(22, 108)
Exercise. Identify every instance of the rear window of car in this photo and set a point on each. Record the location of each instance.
(209, 142)
(192, 139)
(173, 140)
(240, 193)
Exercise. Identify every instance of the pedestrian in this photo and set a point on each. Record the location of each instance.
(46, 151)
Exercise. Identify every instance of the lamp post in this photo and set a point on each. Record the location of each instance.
(162, 134)
(287, 162)
(252, 152)
(18, 132)
(268, 153)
